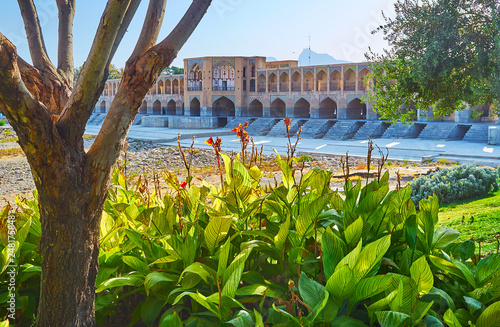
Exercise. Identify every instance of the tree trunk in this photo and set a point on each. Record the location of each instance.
(70, 215)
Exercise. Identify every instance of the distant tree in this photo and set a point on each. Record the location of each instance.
(49, 111)
(174, 70)
(115, 73)
(443, 54)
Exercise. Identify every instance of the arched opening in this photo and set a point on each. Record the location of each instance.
(168, 86)
(153, 89)
(223, 107)
(356, 109)
(223, 76)
(194, 107)
(308, 81)
(261, 83)
(161, 88)
(302, 109)
(335, 81)
(255, 109)
(157, 107)
(328, 109)
(273, 83)
(296, 81)
(171, 108)
(175, 86)
(322, 81)
(350, 80)
(363, 74)
(195, 78)
(103, 106)
(182, 85)
(278, 108)
(144, 108)
(284, 82)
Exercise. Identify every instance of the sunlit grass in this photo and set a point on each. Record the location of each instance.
(484, 227)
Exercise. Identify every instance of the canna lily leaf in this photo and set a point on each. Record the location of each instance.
(216, 231)
(422, 275)
(450, 319)
(490, 317)
(391, 318)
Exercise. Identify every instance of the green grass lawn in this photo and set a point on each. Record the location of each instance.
(486, 225)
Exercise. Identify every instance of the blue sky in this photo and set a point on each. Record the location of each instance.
(273, 28)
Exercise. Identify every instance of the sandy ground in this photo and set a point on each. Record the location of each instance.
(144, 158)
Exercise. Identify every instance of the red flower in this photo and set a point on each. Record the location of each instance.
(288, 122)
(210, 141)
(183, 184)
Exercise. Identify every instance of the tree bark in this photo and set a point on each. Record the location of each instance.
(49, 116)
(69, 250)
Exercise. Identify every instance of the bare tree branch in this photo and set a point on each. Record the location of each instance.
(29, 117)
(65, 64)
(151, 27)
(186, 26)
(140, 73)
(132, 8)
(79, 107)
(34, 33)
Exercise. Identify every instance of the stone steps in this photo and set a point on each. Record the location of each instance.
(371, 130)
(262, 126)
(396, 131)
(316, 128)
(279, 130)
(437, 131)
(344, 130)
(236, 121)
(477, 133)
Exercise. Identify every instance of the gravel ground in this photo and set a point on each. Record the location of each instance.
(16, 179)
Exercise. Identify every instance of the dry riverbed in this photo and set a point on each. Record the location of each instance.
(144, 158)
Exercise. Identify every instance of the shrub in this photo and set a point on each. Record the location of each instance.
(456, 183)
(2, 122)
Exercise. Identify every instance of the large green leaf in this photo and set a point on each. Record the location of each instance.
(312, 292)
(309, 216)
(156, 277)
(351, 258)
(223, 257)
(487, 267)
(370, 256)
(333, 249)
(232, 275)
(368, 287)
(242, 319)
(172, 320)
(391, 318)
(205, 272)
(130, 280)
(341, 284)
(411, 231)
(280, 238)
(216, 231)
(450, 319)
(422, 275)
(353, 232)
(201, 299)
(150, 310)
(490, 317)
(135, 263)
(443, 236)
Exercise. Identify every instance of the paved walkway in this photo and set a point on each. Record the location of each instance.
(402, 149)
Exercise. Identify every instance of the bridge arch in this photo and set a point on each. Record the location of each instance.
(273, 83)
(328, 108)
(223, 107)
(144, 107)
(296, 82)
(194, 107)
(278, 108)
(302, 109)
(350, 80)
(103, 106)
(309, 81)
(157, 107)
(171, 108)
(356, 109)
(284, 82)
(322, 79)
(255, 109)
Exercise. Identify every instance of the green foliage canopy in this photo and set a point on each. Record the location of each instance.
(443, 54)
